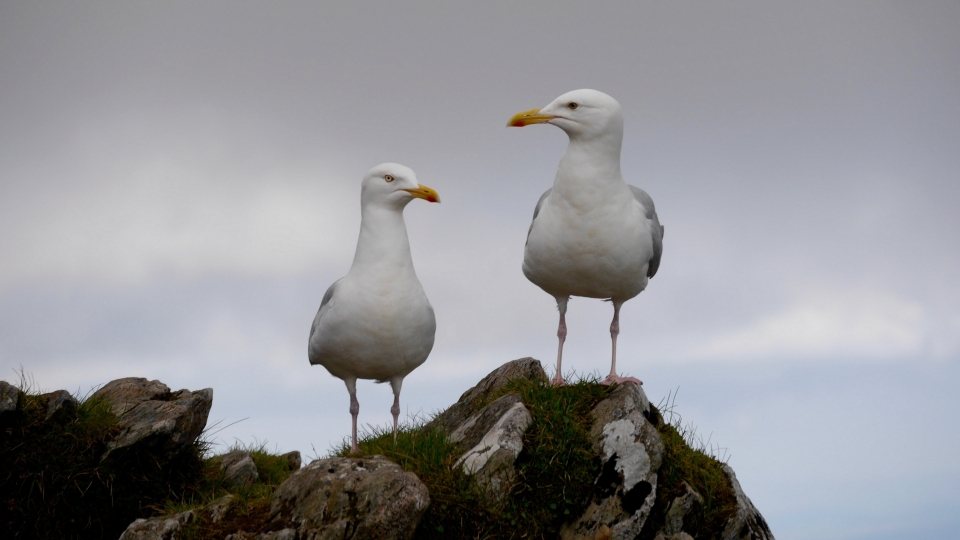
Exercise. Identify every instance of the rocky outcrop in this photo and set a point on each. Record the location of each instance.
(490, 434)
(501, 426)
(351, 498)
(631, 451)
(474, 399)
(680, 507)
(158, 528)
(9, 397)
(294, 461)
(747, 523)
(238, 468)
(61, 406)
(154, 419)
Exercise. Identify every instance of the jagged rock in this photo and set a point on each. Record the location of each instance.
(293, 460)
(492, 458)
(9, 397)
(678, 510)
(747, 523)
(154, 419)
(473, 399)
(61, 406)
(238, 468)
(631, 452)
(351, 498)
(158, 528)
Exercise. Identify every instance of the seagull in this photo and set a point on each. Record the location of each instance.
(376, 322)
(592, 234)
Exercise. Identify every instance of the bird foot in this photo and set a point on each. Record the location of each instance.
(614, 379)
(558, 381)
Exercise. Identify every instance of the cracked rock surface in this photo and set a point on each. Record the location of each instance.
(491, 460)
(471, 401)
(153, 418)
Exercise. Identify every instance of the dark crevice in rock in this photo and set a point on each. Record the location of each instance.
(634, 499)
(609, 479)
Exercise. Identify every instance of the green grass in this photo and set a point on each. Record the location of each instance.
(251, 505)
(53, 485)
(555, 472)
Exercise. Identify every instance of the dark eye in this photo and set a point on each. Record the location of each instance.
(573, 105)
(389, 178)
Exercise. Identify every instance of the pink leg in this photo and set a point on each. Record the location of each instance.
(562, 335)
(612, 378)
(395, 410)
(354, 412)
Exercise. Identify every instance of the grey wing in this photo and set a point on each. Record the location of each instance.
(327, 296)
(657, 231)
(536, 211)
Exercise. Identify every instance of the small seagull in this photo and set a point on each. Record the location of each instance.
(592, 234)
(376, 322)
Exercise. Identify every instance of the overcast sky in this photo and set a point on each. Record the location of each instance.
(180, 183)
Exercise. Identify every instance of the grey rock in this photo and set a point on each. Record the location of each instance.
(61, 406)
(294, 461)
(153, 418)
(491, 460)
(473, 399)
(473, 429)
(238, 468)
(678, 510)
(219, 508)
(9, 397)
(631, 452)
(158, 528)
(369, 497)
(747, 523)
(677, 536)
(283, 534)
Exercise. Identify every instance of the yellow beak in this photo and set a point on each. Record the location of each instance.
(423, 192)
(526, 118)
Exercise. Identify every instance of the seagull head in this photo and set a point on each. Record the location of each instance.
(583, 114)
(392, 184)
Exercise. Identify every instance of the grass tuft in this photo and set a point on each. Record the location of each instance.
(688, 458)
(53, 485)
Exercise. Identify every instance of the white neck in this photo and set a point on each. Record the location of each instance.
(383, 245)
(590, 166)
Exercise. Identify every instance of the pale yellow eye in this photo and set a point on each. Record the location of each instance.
(389, 178)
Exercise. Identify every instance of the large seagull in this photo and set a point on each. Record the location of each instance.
(592, 234)
(376, 322)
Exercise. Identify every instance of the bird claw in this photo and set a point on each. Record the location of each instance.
(614, 379)
(558, 381)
